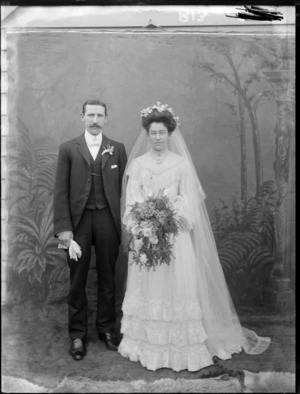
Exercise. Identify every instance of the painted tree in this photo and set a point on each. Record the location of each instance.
(246, 244)
(282, 79)
(273, 69)
(240, 57)
(251, 102)
(235, 85)
(265, 55)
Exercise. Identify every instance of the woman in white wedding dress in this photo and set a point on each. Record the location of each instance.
(181, 315)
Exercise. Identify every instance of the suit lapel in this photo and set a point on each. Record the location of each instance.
(103, 146)
(83, 149)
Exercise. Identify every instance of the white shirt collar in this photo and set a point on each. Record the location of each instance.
(89, 138)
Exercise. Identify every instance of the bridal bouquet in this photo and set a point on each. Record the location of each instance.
(153, 224)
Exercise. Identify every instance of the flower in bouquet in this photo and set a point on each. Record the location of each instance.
(143, 258)
(138, 242)
(153, 225)
(153, 240)
(147, 230)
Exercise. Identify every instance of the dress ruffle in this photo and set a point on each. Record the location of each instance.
(179, 316)
(163, 333)
(192, 357)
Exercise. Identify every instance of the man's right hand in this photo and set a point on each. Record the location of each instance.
(65, 237)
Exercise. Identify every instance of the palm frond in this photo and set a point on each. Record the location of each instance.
(268, 187)
(35, 275)
(44, 179)
(234, 249)
(28, 226)
(245, 240)
(268, 231)
(229, 260)
(260, 256)
(253, 218)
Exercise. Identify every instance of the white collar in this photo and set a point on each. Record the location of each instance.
(89, 138)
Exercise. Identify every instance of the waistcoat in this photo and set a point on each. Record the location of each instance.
(97, 198)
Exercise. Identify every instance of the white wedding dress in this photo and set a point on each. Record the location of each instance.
(166, 315)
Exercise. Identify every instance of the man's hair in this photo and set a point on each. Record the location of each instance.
(94, 102)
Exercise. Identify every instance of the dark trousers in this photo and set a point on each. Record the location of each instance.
(97, 228)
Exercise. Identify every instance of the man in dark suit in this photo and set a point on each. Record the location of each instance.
(87, 195)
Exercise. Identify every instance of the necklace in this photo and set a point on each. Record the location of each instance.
(159, 157)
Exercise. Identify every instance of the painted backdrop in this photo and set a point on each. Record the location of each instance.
(234, 95)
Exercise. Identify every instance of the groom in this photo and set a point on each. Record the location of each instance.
(87, 195)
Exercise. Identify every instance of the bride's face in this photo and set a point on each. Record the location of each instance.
(158, 136)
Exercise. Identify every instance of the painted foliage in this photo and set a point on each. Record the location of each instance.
(224, 91)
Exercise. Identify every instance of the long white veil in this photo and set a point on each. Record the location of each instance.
(220, 319)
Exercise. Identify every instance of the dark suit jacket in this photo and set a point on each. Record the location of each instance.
(73, 182)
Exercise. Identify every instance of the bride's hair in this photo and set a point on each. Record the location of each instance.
(164, 117)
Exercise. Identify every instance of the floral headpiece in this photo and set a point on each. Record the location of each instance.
(160, 108)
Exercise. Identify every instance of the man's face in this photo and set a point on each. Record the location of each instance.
(94, 118)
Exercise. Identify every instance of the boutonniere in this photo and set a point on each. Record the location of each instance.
(108, 149)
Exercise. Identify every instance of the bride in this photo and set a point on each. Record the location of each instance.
(181, 315)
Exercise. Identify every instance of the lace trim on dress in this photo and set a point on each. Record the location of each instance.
(156, 345)
(160, 309)
(153, 357)
(175, 161)
(177, 334)
(152, 184)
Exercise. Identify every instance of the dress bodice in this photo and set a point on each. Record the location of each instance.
(172, 176)
(149, 177)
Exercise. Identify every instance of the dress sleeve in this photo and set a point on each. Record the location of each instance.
(187, 196)
(133, 190)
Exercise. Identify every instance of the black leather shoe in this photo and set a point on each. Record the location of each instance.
(109, 339)
(118, 338)
(78, 349)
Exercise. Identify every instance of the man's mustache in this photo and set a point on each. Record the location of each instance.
(96, 125)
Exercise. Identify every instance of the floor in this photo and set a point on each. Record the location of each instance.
(35, 348)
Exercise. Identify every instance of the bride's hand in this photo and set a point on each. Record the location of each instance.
(184, 223)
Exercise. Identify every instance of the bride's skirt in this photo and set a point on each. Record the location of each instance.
(163, 324)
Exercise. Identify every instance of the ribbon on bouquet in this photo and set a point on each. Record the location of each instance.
(74, 248)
